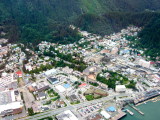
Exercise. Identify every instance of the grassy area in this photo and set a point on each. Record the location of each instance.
(77, 102)
(91, 7)
(48, 102)
(46, 118)
(56, 98)
(52, 93)
(89, 97)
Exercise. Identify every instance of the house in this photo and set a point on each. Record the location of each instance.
(60, 103)
(73, 98)
(82, 85)
(90, 73)
(3, 51)
(105, 51)
(114, 50)
(19, 73)
(28, 67)
(41, 86)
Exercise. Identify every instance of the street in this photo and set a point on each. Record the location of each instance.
(70, 107)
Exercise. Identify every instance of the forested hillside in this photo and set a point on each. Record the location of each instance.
(37, 20)
(150, 39)
(114, 21)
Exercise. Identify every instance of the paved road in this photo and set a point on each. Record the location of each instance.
(71, 107)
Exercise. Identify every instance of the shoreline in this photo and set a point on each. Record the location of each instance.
(155, 99)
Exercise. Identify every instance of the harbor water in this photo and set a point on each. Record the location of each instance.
(151, 111)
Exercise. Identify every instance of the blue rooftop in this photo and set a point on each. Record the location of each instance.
(125, 51)
(111, 109)
(66, 86)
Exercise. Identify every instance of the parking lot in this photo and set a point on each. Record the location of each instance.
(87, 110)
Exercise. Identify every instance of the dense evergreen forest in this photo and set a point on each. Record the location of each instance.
(114, 21)
(37, 20)
(150, 39)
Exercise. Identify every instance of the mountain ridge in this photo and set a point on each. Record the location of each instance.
(36, 20)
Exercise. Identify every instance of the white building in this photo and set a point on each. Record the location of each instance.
(49, 72)
(7, 81)
(10, 103)
(105, 114)
(120, 88)
(28, 67)
(66, 115)
(144, 63)
(11, 108)
(60, 88)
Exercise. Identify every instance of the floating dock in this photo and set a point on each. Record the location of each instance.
(130, 112)
(137, 109)
(120, 115)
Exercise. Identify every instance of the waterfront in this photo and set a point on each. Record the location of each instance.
(150, 110)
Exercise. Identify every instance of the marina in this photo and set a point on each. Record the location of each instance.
(148, 111)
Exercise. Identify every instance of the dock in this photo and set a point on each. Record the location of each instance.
(137, 109)
(120, 115)
(130, 112)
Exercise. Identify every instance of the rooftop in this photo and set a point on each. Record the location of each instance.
(111, 109)
(66, 115)
(19, 72)
(92, 69)
(66, 86)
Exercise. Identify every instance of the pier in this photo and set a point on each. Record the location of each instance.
(137, 109)
(130, 112)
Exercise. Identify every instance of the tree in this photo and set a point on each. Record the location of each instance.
(30, 112)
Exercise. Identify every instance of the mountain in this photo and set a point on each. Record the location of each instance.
(31, 11)
(103, 6)
(37, 20)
